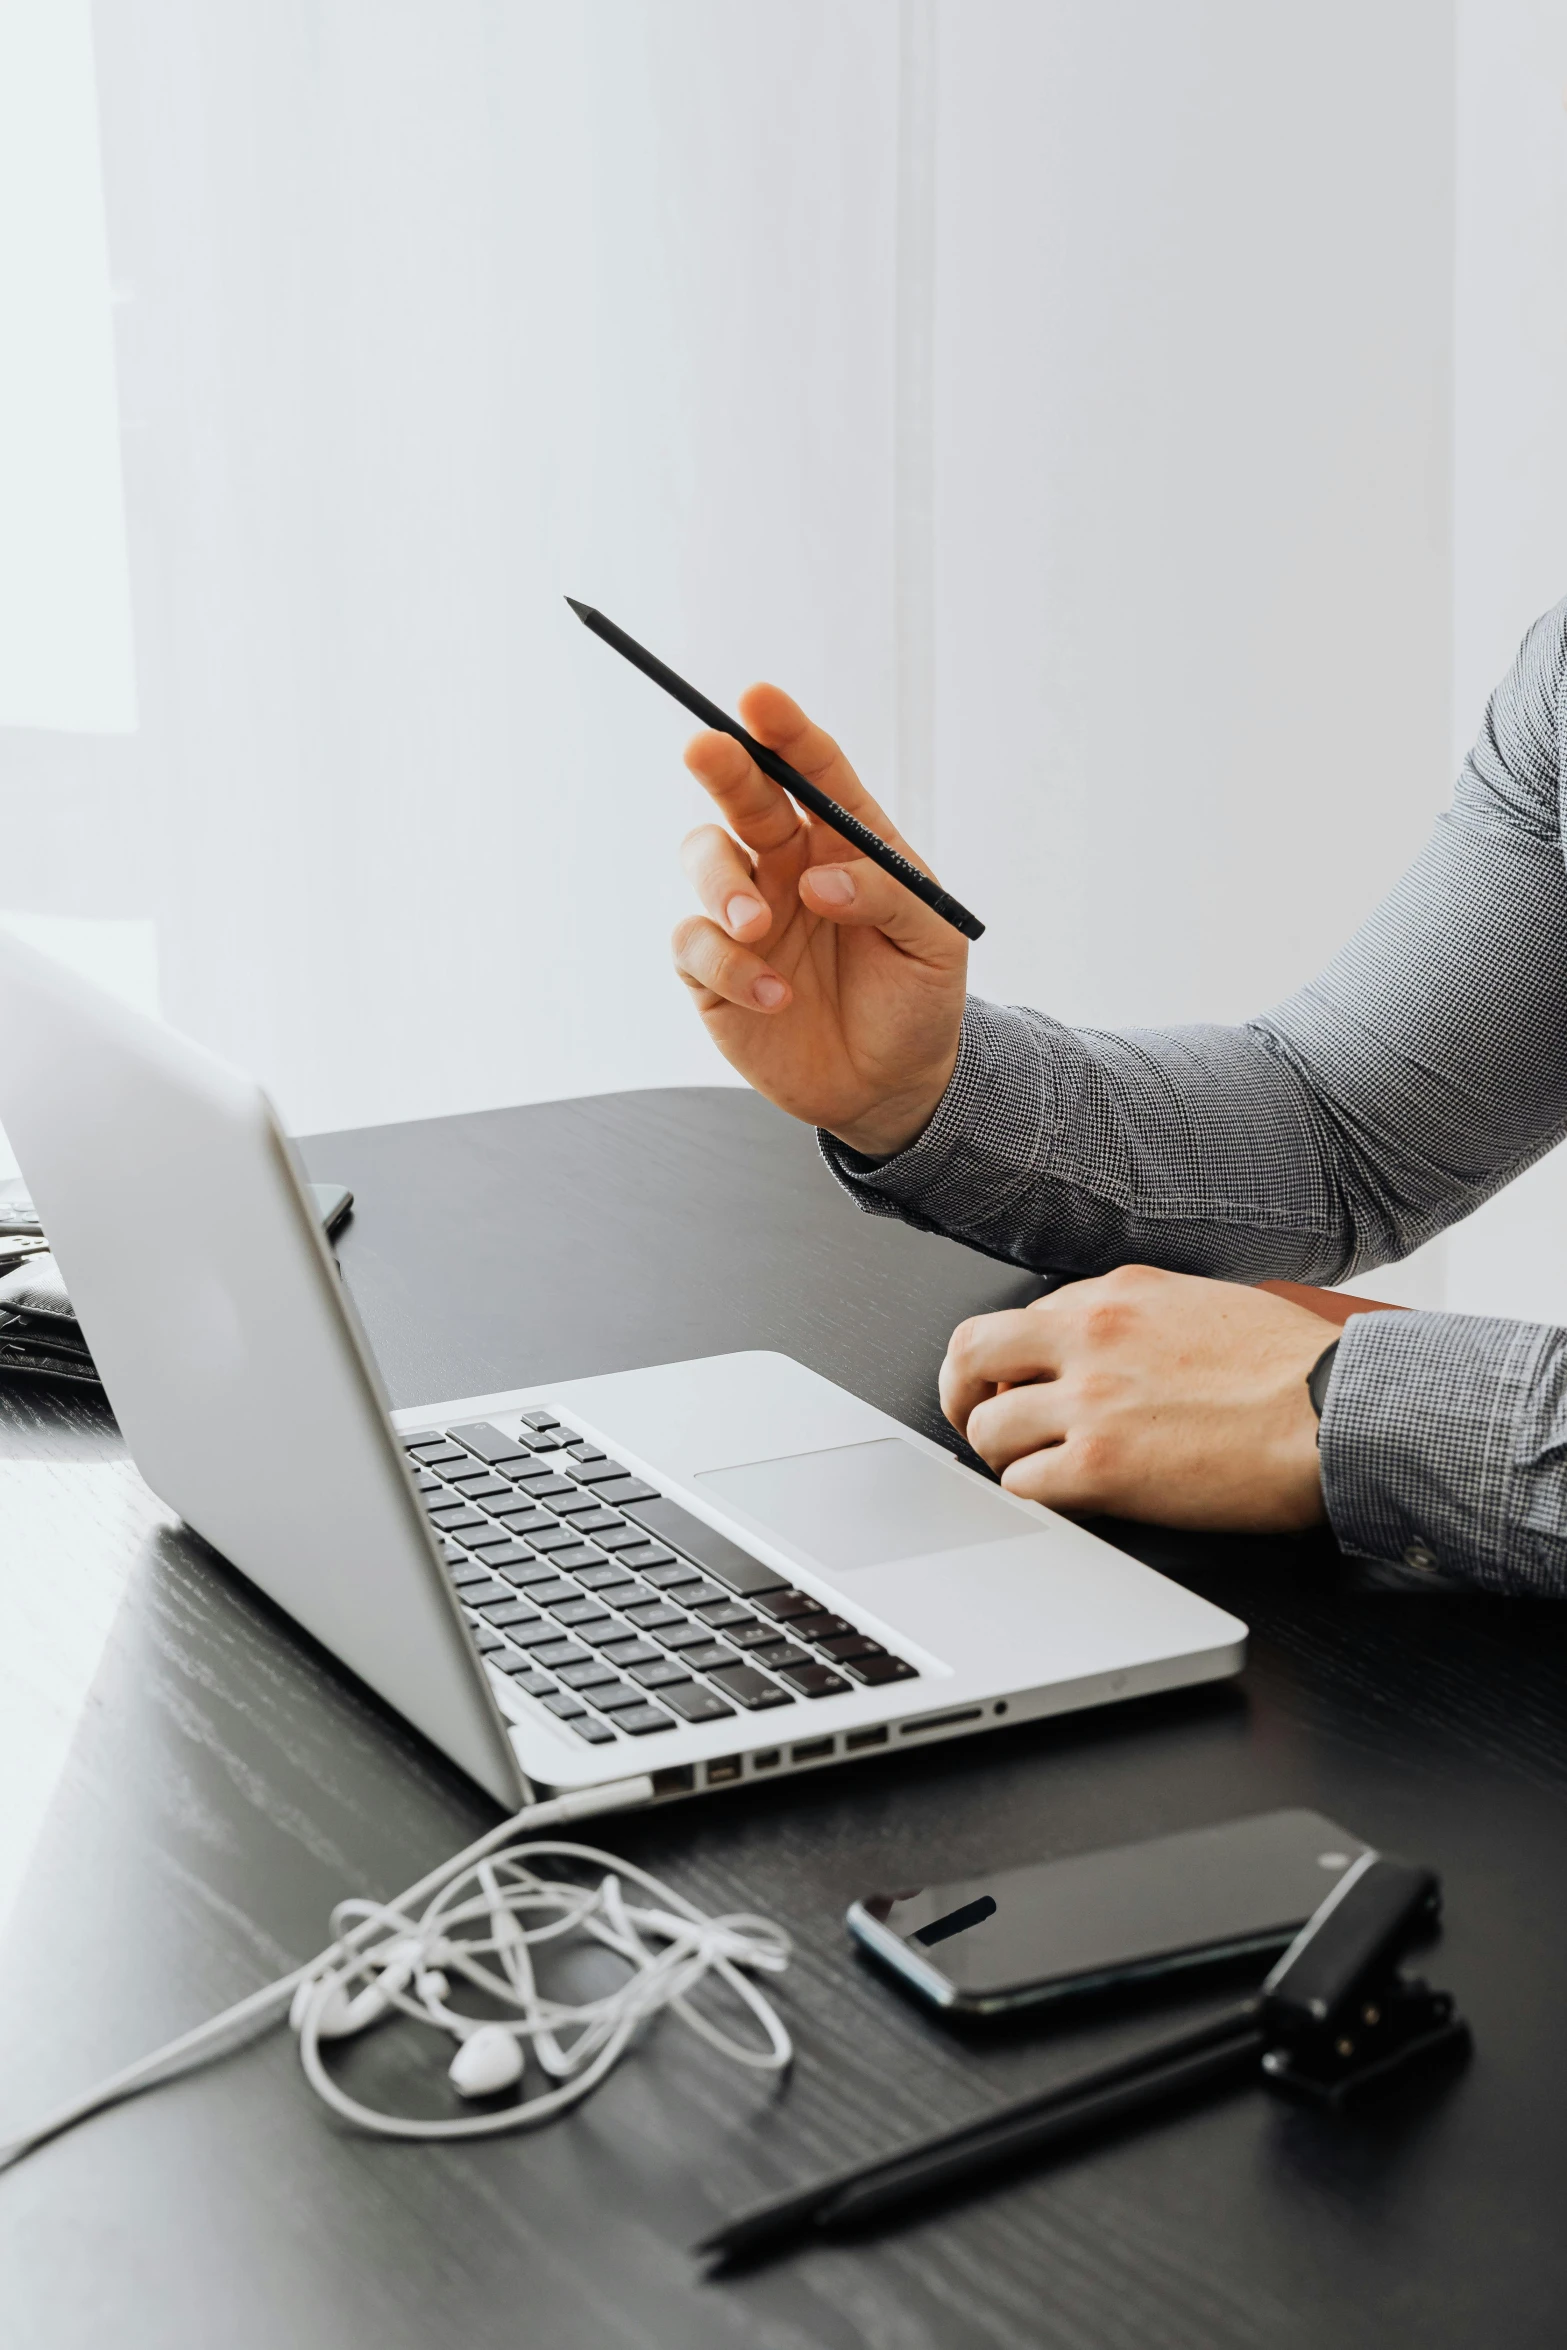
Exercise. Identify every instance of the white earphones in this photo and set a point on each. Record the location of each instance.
(484, 1929)
(486, 1913)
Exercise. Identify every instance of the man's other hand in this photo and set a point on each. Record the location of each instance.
(821, 979)
(1147, 1395)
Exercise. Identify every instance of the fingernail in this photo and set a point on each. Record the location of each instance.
(741, 910)
(832, 883)
(769, 993)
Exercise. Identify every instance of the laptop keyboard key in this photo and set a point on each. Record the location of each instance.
(752, 1635)
(693, 1703)
(814, 1680)
(548, 1593)
(486, 1489)
(616, 1696)
(529, 1574)
(563, 1703)
(458, 1520)
(584, 1676)
(484, 1639)
(540, 1419)
(611, 1576)
(539, 1635)
(651, 1615)
(658, 1564)
(597, 1631)
(684, 1634)
(527, 1521)
(490, 1445)
(708, 1659)
(581, 1554)
(626, 1653)
(642, 1720)
(581, 1610)
(660, 1567)
(750, 1688)
(847, 1644)
(589, 1726)
(620, 1492)
(489, 1538)
(660, 1672)
(597, 1522)
(480, 1594)
(596, 1470)
(785, 1603)
(553, 1537)
(781, 1652)
(876, 1671)
(509, 1612)
(524, 1675)
(558, 1653)
(820, 1626)
(700, 1595)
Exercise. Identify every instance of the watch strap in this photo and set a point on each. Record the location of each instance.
(1319, 1375)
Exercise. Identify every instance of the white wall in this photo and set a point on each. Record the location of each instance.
(1510, 464)
(1194, 366)
(428, 315)
(1054, 392)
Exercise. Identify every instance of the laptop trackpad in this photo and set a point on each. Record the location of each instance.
(861, 1505)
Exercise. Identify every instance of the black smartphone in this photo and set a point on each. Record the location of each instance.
(1134, 1913)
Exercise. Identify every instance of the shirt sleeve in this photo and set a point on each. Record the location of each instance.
(1444, 1448)
(1420, 1072)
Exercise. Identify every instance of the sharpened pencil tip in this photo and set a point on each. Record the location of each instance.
(583, 611)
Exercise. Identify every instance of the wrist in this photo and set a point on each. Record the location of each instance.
(898, 1120)
(1298, 1460)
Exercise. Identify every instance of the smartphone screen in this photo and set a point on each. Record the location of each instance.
(1207, 1897)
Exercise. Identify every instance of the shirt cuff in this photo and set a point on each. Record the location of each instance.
(987, 1141)
(1430, 1458)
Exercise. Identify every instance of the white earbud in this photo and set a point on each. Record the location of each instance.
(343, 2012)
(488, 2060)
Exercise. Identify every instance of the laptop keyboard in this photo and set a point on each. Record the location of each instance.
(613, 1607)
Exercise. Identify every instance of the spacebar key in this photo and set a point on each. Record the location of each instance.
(722, 1558)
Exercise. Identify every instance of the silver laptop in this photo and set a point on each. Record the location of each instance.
(712, 1571)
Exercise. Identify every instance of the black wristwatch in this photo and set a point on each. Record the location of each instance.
(1317, 1379)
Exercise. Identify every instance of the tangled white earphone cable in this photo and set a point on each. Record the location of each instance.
(484, 1929)
(485, 1912)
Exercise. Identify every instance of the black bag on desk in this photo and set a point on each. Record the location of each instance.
(40, 1336)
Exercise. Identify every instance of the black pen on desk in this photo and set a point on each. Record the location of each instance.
(798, 786)
(1227, 2049)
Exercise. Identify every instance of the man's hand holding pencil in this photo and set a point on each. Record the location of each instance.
(828, 985)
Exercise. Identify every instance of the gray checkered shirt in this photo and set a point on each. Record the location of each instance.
(1424, 1069)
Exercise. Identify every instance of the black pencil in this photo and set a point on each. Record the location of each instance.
(798, 786)
(1218, 2053)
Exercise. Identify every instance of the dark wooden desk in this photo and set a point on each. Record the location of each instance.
(222, 1783)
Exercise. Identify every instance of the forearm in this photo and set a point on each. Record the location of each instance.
(1197, 1149)
(1413, 1078)
(1444, 1448)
